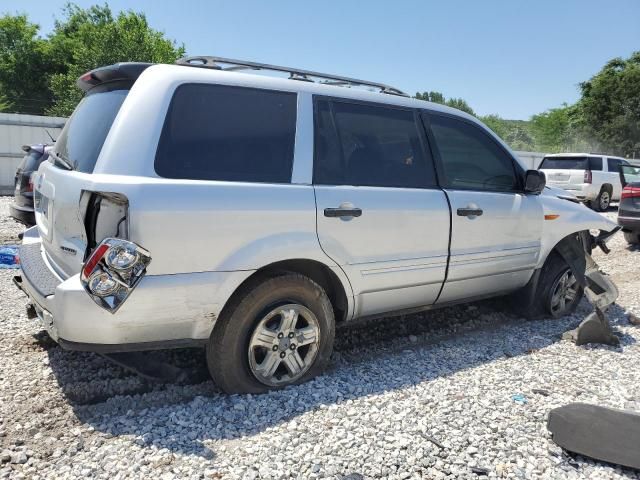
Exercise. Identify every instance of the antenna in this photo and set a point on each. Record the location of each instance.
(50, 136)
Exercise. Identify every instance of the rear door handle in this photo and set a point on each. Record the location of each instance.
(470, 212)
(342, 212)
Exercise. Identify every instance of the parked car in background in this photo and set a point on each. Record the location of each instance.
(629, 209)
(593, 178)
(250, 214)
(22, 207)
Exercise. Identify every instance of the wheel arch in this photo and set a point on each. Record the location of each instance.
(332, 280)
(608, 187)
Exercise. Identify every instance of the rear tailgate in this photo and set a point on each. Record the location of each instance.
(63, 184)
(59, 216)
(564, 178)
(565, 172)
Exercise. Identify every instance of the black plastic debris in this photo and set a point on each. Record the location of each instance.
(598, 288)
(605, 434)
(480, 471)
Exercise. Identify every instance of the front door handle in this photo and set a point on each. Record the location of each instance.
(342, 212)
(470, 211)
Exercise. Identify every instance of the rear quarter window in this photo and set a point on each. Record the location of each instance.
(217, 132)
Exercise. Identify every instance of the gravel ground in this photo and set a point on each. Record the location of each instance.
(422, 396)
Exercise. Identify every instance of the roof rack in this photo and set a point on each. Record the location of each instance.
(294, 73)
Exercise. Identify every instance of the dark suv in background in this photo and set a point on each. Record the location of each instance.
(22, 206)
(629, 209)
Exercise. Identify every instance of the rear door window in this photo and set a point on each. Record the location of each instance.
(84, 134)
(217, 132)
(364, 144)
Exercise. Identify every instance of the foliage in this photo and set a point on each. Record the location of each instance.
(437, 97)
(25, 65)
(5, 105)
(93, 37)
(516, 133)
(610, 105)
(38, 75)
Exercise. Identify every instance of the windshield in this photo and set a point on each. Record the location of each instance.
(565, 163)
(31, 161)
(82, 137)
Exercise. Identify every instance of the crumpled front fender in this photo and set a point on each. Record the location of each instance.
(563, 218)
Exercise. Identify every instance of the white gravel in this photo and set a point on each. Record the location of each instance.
(424, 396)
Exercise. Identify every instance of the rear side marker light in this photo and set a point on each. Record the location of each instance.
(95, 257)
(113, 271)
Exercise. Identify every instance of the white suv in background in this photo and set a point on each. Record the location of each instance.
(195, 205)
(592, 178)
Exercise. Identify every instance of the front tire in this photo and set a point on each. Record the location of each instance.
(559, 293)
(278, 332)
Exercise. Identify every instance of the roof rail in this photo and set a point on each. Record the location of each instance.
(294, 73)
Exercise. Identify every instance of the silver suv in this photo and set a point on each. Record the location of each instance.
(194, 204)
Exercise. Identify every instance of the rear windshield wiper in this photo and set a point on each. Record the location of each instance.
(61, 161)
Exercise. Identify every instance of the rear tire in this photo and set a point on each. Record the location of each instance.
(602, 201)
(632, 238)
(276, 333)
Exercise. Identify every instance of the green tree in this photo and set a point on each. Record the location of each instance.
(25, 65)
(437, 97)
(5, 105)
(561, 129)
(516, 133)
(460, 104)
(610, 105)
(88, 38)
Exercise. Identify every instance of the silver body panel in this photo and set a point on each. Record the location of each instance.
(207, 237)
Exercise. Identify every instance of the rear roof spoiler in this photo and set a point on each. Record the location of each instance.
(119, 72)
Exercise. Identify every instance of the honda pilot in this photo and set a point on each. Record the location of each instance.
(199, 205)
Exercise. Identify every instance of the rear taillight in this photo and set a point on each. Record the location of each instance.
(113, 270)
(588, 178)
(630, 192)
(30, 185)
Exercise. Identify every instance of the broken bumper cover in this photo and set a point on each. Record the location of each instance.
(164, 311)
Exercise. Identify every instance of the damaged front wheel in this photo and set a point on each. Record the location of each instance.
(559, 292)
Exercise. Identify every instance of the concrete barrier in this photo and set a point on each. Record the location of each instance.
(17, 130)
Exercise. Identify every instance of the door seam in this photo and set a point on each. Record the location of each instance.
(446, 271)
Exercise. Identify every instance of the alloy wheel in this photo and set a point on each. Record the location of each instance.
(564, 292)
(284, 345)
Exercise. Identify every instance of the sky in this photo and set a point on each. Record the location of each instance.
(514, 58)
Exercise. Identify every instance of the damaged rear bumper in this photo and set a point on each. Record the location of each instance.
(164, 311)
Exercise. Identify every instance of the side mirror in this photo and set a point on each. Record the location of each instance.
(534, 182)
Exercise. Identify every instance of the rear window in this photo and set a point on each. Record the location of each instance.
(31, 161)
(572, 163)
(82, 138)
(217, 132)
